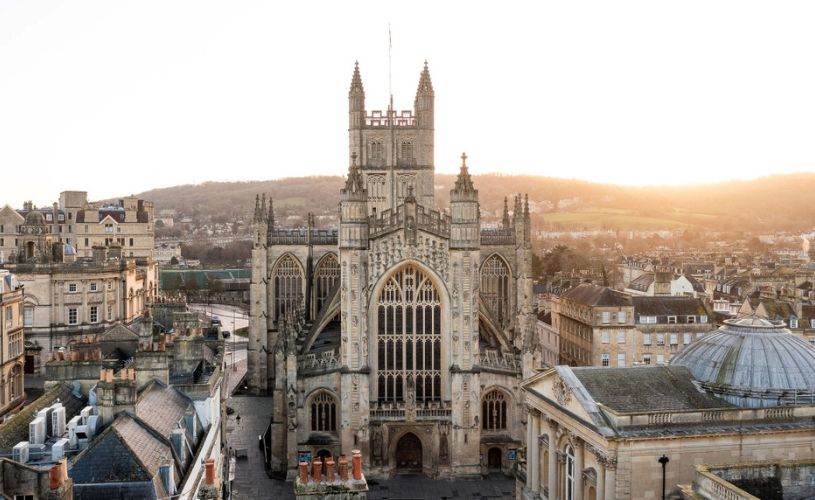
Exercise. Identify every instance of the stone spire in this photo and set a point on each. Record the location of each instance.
(425, 84)
(356, 82)
(526, 206)
(353, 184)
(256, 216)
(270, 213)
(464, 183)
(505, 219)
(517, 209)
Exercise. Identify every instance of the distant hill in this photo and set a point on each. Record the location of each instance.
(778, 202)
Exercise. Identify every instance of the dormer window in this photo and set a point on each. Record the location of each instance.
(793, 323)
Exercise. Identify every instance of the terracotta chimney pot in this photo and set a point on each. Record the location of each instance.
(304, 472)
(210, 471)
(356, 465)
(316, 469)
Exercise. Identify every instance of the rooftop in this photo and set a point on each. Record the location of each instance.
(594, 295)
(645, 388)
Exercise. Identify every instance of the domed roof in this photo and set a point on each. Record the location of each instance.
(68, 249)
(35, 218)
(753, 362)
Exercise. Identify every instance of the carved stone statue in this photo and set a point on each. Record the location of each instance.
(376, 445)
(444, 453)
(410, 391)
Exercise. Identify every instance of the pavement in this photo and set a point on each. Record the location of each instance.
(252, 482)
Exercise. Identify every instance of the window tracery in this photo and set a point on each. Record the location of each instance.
(494, 411)
(288, 284)
(323, 412)
(409, 338)
(325, 277)
(495, 288)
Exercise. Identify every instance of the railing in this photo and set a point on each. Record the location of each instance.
(433, 410)
(506, 362)
(432, 221)
(388, 220)
(427, 220)
(311, 363)
(498, 236)
(300, 236)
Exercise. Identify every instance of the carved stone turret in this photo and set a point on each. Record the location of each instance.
(354, 209)
(465, 213)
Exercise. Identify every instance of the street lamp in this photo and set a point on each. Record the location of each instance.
(664, 461)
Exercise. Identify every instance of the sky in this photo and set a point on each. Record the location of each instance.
(115, 97)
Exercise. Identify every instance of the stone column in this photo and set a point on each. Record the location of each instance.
(578, 466)
(553, 458)
(610, 484)
(533, 473)
(530, 444)
(601, 480)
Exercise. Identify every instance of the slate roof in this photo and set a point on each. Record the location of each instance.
(162, 407)
(775, 309)
(645, 389)
(123, 462)
(144, 490)
(642, 282)
(595, 295)
(668, 306)
(143, 443)
(108, 459)
(696, 284)
(119, 332)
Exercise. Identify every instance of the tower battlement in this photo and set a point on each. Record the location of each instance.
(379, 118)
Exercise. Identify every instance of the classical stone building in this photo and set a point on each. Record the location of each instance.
(402, 333)
(79, 223)
(12, 395)
(67, 297)
(742, 396)
(599, 326)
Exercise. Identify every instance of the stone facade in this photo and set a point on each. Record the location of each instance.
(403, 332)
(65, 300)
(12, 353)
(82, 224)
(599, 326)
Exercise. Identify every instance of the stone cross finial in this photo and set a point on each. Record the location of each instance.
(463, 159)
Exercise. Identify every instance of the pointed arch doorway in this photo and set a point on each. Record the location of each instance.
(409, 454)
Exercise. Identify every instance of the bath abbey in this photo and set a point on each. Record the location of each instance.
(405, 332)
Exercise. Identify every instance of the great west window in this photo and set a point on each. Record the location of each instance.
(409, 338)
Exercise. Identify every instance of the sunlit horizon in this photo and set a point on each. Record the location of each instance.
(116, 98)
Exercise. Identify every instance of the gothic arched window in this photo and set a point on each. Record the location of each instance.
(325, 277)
(494, 411)
(288, 284)
(409, 338)
(495, 288)
(323, 412)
